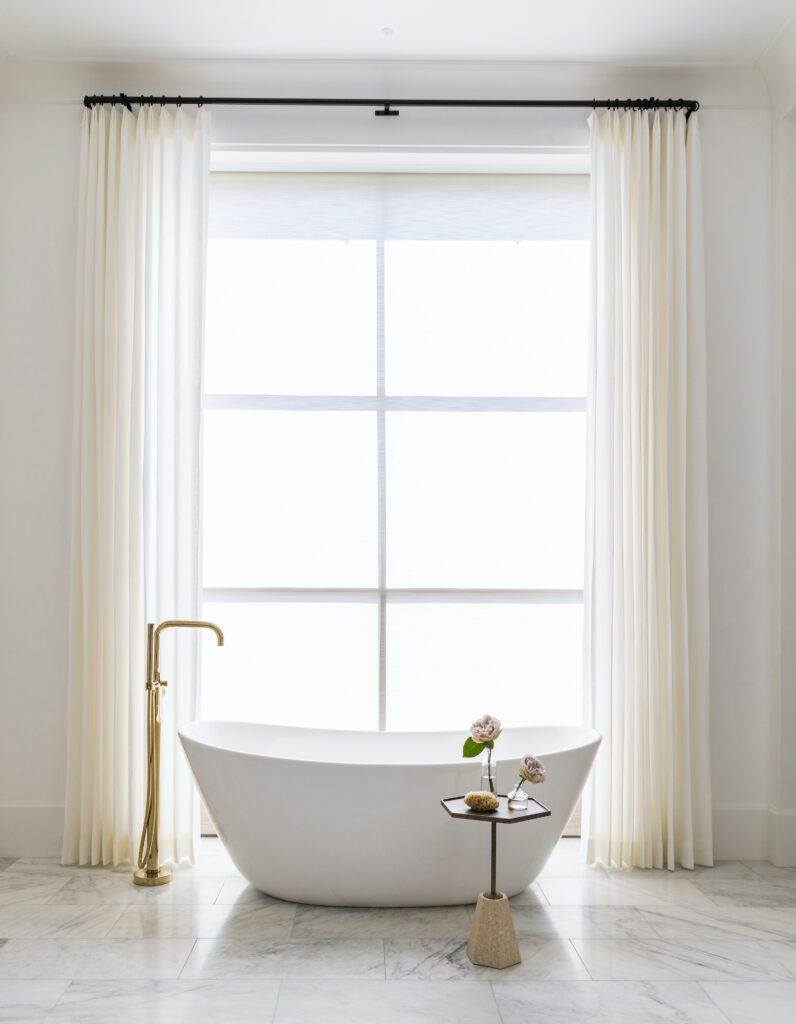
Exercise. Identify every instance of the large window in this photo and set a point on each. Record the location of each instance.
(394, 448)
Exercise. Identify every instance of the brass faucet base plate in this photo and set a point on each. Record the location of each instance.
(140, 877)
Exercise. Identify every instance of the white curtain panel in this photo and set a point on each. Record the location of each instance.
(137, 446)
(646, 602)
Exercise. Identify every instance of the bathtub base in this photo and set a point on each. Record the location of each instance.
(493, 941)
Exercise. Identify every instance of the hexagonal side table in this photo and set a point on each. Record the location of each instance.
(493, 941)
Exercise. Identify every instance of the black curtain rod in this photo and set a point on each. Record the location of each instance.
(385, 108)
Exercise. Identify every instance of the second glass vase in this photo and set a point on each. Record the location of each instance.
(518, 799)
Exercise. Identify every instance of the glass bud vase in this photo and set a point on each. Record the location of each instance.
(518, 799)
(488, 772)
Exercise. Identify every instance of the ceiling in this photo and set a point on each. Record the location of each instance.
(624, 31)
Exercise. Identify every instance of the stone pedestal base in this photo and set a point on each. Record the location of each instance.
(493, 942)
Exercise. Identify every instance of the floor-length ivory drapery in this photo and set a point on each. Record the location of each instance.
(646, 604)
(137, 433)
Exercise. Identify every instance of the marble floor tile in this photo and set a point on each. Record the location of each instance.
(36, 921)
(581, 923)
(24, 888)
(606, 1002)
(744, 893)
(755, 1002)
(566, 862)
(167, 1002)
(443, 960)
(93, 959)
(307, 958)
(657, 960)
(702, 947)
(119, 889)
(565, 871)
(238, 890)
(618, 891)
(199, 921)
(386, 1002)
(29, 1000)
(684, 923)
(530, 897)
(212, 861)
(784, 953)
(366, 923)
(53, 866)
(722, 870)
(765, 869)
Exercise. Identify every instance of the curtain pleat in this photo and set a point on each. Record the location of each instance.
(646, 600)
(137, 448)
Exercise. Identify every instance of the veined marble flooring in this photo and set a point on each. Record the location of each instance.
(712, 946)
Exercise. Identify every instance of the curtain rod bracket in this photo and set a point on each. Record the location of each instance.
(386, 111)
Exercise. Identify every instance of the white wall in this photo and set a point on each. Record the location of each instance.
(39, 119)
(779, 65)
(38, 190)
(736, 167)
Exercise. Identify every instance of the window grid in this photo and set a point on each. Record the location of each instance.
(381, 404)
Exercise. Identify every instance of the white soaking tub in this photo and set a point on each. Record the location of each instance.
(354, 818)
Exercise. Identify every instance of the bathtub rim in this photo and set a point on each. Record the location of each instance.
(588, 737)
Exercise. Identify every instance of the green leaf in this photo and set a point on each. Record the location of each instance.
(471, 748)
(489, 743)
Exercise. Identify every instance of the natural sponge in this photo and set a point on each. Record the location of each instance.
(482, 801)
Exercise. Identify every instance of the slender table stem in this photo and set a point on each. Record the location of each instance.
(493, 891)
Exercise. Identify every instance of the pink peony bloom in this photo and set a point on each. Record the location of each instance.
(532, 769)
(485, 729)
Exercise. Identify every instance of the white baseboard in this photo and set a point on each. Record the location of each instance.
(740, 831)
(754, 832)
(782, 837)
(31, 828)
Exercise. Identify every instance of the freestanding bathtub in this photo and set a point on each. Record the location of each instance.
(354, 818)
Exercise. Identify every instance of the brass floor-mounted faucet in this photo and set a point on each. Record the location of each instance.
(149, 871)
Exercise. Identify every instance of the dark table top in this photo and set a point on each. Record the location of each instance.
(457, 808)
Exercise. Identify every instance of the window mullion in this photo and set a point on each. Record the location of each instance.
(381, 483)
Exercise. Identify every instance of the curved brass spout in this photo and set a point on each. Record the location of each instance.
(176, 624)
(149, 871)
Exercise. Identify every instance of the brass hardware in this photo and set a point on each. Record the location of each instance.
(149, 871)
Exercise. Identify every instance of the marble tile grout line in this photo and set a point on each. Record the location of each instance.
(280, 985)
(187, 958)
(704, 988)
(495, 1001)
(577, 954)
